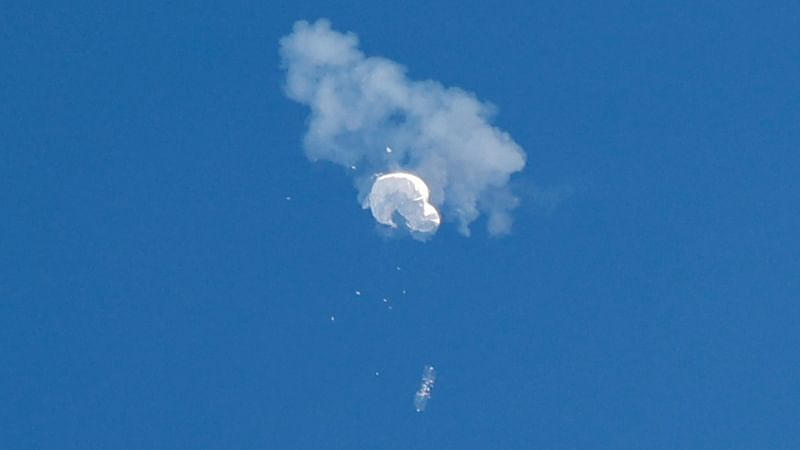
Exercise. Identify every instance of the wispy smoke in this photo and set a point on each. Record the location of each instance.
(360, 104)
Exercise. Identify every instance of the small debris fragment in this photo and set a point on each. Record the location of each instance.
(358, 292)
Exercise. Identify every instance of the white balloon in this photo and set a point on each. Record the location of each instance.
(406, 195)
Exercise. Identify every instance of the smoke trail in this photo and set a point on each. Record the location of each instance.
(360, 104)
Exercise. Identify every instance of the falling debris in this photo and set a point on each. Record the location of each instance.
(398, 268)
(288, 197)
(358, 292)
(404, 194)
(333, 318)
(426, 386)
(388, 150)
(404, 292)
(385, 299)
(377, 374)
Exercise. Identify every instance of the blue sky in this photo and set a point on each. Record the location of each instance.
(157, 290)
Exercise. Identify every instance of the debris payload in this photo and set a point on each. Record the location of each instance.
(426, 386)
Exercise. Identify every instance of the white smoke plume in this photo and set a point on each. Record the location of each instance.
(361, 104)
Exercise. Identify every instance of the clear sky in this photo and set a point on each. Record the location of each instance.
(158, 290)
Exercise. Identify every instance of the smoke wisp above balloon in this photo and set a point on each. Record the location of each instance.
(440, 135)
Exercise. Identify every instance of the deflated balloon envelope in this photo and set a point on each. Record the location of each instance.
(406, 195)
